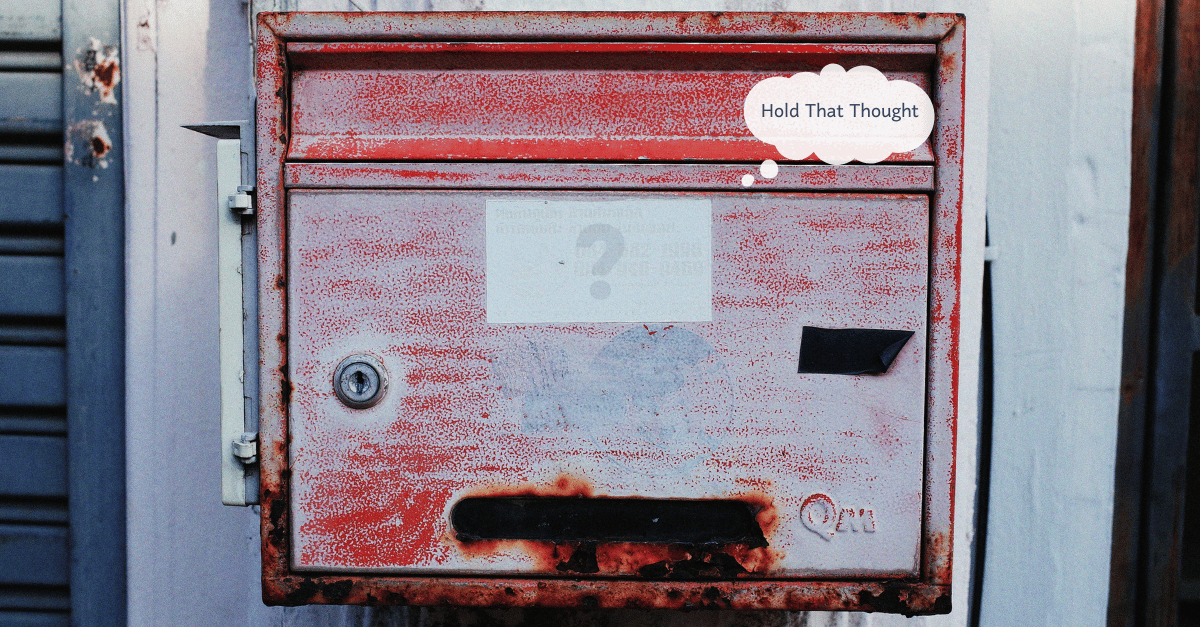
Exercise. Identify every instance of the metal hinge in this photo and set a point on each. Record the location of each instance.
(245, 448)
(242, 203)
(236, 308)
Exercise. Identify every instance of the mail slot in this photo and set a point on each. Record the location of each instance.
(530, 336)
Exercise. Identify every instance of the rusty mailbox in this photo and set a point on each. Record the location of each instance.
(527, 337)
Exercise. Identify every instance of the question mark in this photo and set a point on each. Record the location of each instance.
(614, 245)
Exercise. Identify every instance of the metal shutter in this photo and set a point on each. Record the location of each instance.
(62, 497)
(34, 533)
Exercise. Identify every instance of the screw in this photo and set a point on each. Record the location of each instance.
(360, 381)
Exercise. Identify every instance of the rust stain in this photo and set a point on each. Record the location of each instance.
(99, 68)
(100, 147)
(690, 561)
(572, 561)
(896, 598)
(647, 560)
(87, 143)
(938, 552)
(547, 556)
(893, 597)
(606, 176)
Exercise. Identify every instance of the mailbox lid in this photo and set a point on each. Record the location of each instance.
(600, 101)
(581, 408)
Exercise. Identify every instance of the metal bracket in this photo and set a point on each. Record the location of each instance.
(242, 203)
(245, 448)
(240, 130)
(237, 304)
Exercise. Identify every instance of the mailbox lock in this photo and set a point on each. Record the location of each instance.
(360, 381)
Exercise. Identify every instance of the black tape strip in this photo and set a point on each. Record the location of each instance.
(849, 351)
(575, 519)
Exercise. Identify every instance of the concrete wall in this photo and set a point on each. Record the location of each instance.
(1058, 209)
(1048, 143)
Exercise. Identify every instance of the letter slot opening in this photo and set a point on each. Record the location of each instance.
(573, 519)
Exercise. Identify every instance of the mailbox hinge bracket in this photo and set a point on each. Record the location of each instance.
(242, 203)
(245, 448)
(237, 308)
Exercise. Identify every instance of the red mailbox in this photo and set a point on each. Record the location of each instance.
(526, 338)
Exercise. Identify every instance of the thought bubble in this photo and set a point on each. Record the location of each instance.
(839, 115)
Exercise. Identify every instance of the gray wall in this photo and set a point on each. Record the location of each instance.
(1048, 149)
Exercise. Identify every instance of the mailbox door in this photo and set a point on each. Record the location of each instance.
(510, 374)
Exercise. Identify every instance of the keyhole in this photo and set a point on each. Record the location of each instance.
(359, 381)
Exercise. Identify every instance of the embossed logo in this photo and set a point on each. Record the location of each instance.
(820, 515)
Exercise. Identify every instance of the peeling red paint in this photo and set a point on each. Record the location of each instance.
(807, 177)
(764, 263)
(447, 367)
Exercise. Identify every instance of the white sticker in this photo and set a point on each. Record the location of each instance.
(638, 260)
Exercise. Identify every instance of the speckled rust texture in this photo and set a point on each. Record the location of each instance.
(928, 593)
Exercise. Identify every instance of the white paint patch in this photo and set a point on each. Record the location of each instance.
(612, 261)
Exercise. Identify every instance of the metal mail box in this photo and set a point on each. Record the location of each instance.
(526, 337)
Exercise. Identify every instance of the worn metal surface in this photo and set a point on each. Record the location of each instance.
(945, 307)
(724, 176)
(578, 101)
(31, 195)
(94, 233)
(615, 26)
(33, 102)
(35, 20)
(680, 410)
(34, 536)
(929, 593)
